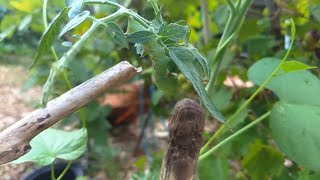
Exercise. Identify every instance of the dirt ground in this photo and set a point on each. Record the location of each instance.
(14, 105)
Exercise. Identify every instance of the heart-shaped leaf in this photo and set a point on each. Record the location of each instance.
(295, 120)
(53, 143)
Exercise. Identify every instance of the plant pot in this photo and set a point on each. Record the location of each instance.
(44, 173)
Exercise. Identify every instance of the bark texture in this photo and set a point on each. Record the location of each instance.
(185, 139)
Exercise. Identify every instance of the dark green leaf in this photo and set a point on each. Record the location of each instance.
(141, 36)
(214, 167)
(173, 31)
(307, 175)
(50, 35)
(76, 21)
(52, 143)
(116, 34)
(191, 68)
(262, 161)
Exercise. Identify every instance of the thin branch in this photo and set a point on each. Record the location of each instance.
(14, 141)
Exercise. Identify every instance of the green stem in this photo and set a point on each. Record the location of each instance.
(60, 65)
(236, 134)
(231, 6)
(247, 102)
(233, 24)
(44, 14)
(64, 171)
(154, 6)
(53, 177)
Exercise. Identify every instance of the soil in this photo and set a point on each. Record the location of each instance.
(15, 105)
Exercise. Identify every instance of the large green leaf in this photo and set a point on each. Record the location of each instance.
(299, 87)
(77, 20)
(192, 69)
(295, 128)
(50, 35)
(295, 119)
(53, 143)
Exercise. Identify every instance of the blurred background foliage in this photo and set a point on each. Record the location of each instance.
(264, 32)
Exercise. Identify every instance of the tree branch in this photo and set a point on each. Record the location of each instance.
(14, 141)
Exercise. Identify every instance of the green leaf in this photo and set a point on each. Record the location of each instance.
(295, 127)
(116, 34)
(214, 167)
(203, 61)
(291, 66)
(262, 161)
(173, 31)
(50, 35)
(76, 21)
(53, 143)
(192, 69)
(141, 36)
(295, 87)
(294, 120)
(306, 175)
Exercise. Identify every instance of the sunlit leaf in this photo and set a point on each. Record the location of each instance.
(52, 143)
(291, 66)
(74, 22)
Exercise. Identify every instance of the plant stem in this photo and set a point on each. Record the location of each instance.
(53, 177)
(205, 21)
(247, 102)
(233, 24)
(64, 171)
(236, 134)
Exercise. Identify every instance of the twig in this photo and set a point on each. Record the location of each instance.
(14, 141)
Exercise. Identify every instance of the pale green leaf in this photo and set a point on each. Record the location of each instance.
(52, 143)
(295, 127)
(291, 66)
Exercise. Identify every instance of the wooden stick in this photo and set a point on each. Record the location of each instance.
(185, 139)
(14, 141)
